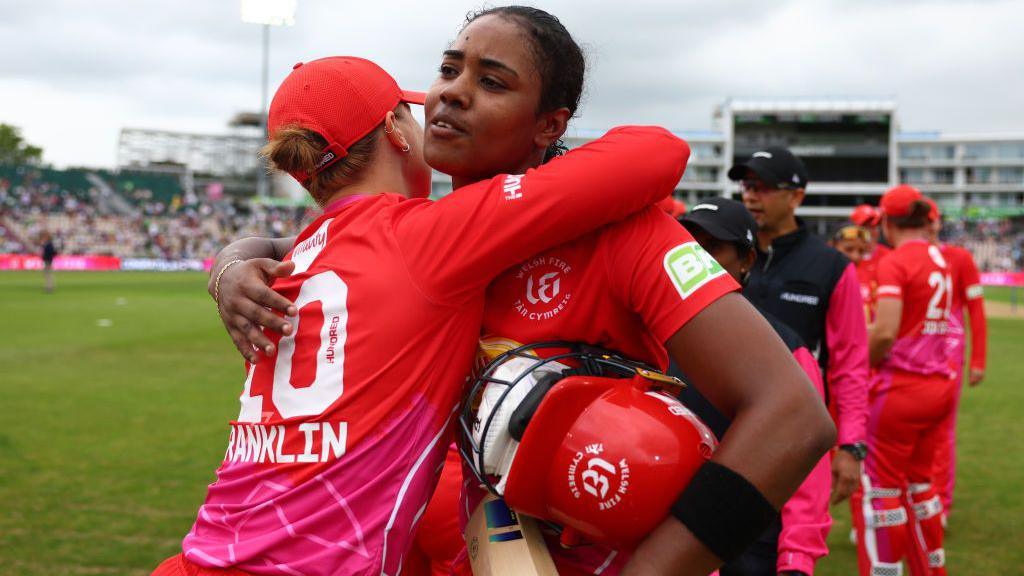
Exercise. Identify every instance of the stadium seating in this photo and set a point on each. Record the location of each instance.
(139, 187)
(73, 181)
(162, 220)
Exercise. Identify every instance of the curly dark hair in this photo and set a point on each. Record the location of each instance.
(558, 57)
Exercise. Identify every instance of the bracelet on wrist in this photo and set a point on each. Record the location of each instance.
(216, 283)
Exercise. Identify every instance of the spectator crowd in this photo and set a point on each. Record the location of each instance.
(185, 228)
(190, 227)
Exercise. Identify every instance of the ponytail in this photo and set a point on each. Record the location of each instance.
(298, 150)
(916, 218)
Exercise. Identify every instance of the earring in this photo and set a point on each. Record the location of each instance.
(407, 147)
(386, 129)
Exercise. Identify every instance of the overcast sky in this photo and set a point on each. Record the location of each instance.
(74, 72)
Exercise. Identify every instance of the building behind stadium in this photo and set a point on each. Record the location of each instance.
(853, 149)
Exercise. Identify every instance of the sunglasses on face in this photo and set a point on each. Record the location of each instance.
(759, 187)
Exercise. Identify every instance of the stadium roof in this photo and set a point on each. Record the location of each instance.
(811, 104)
(938, 136)
(696, 135)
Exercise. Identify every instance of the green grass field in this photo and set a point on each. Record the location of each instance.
(117, 390)
(1005, 294)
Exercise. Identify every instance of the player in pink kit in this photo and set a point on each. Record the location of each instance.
(342, 433)
(967, 293)
(912, 395)
(637, 285)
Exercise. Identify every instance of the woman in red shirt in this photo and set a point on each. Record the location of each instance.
(492, 110)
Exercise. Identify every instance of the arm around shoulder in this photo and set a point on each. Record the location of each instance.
(458, 244)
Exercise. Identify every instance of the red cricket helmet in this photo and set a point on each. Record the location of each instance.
(595, 445)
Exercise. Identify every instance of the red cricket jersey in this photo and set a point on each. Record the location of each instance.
(918, 274)
(967, 293)
(629, 287)
(340, 437)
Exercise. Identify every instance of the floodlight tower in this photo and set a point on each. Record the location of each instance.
(267, 13)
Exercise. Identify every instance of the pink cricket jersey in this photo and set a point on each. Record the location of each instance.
(342, 435)
(918, 274)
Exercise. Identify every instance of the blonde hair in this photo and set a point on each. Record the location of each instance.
(295, 149)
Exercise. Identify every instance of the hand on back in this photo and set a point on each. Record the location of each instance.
(246, 304)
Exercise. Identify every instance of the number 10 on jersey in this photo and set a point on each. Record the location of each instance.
(325, 371)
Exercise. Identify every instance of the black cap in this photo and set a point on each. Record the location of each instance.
(724, 219)
(775, 165)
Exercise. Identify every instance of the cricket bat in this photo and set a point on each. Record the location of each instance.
(503, 543)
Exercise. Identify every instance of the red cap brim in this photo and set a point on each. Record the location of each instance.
(413, 97)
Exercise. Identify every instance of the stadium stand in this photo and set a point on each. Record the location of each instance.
(159, 219)
(162, 220)
(997, 245)
(142, 187)
(49, 187)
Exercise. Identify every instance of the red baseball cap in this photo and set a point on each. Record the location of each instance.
(865, 215)
(897, 201)
(341, 98)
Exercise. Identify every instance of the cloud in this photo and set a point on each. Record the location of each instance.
(82, 71)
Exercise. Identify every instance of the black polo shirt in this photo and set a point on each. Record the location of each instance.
(794, 280)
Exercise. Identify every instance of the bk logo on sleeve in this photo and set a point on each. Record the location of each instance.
(689, 267)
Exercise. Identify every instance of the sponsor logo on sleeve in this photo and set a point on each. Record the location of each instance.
(975, 291)
(306, 251)
(689, 267)
(513, 187)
